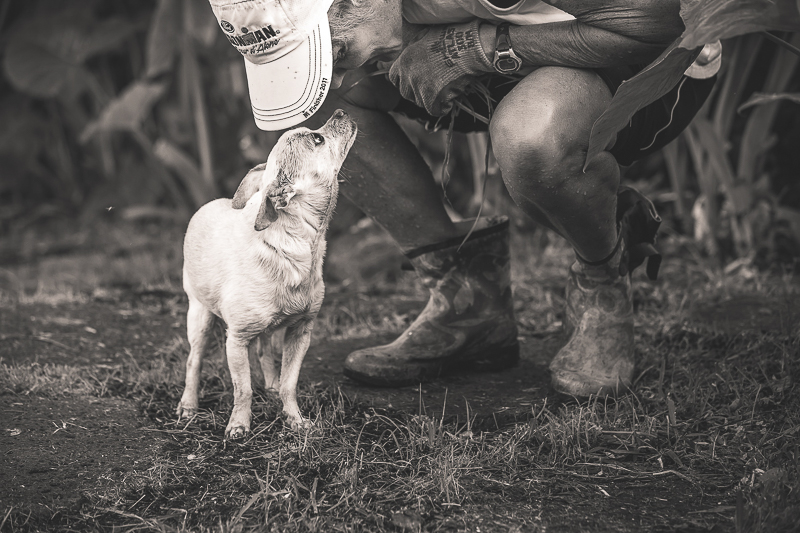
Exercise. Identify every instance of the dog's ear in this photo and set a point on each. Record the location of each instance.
(276, 197)
(266, 213)
(248, 187)
(281, 190)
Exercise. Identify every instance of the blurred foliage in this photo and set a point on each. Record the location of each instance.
(734, 171)
(142, 106)
(705, 21)
(123, 104)
(735, 214)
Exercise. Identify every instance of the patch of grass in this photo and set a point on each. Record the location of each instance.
(47, 380)
(61, 268)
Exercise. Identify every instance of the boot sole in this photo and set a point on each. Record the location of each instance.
(424, 372)
(578, 388)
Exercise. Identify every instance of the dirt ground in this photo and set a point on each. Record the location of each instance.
(64, 453)
(73, 442)
(54, 449)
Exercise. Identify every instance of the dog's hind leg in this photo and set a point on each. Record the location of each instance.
(199, 326)
(298, 337)
(271, 352)
(239, 365)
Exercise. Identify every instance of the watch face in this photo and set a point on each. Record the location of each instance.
(507, 64)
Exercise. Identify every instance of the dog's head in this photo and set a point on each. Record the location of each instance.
(304, 165)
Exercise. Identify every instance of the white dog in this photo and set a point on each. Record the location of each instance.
(256, 263)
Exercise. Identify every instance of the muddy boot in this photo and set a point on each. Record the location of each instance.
(599, 356)
(468, 322)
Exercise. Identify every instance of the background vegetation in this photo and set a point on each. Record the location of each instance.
(143, 107)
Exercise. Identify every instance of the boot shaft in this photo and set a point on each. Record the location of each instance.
(472, 273)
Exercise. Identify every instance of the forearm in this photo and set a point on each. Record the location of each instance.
(605, 33)
(571, 44)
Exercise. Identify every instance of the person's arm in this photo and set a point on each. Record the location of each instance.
(605, 33)
(436, 67)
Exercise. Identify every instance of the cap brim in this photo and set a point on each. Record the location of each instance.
(288, 90)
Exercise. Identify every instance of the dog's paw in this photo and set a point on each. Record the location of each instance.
(300, 423)
(185, 411)
(236, 432)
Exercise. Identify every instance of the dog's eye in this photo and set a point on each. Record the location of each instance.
(318, 139)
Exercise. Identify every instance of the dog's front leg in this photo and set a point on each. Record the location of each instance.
(239, 365)
(298, 337)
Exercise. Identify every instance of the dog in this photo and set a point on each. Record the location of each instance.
(256, 263)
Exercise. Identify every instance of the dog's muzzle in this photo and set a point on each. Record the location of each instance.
(341, 125)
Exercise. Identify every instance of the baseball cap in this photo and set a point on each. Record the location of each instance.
(287, 52)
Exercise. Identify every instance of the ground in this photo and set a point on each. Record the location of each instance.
(92, 348)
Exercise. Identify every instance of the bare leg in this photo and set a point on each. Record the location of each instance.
(239, 365)
(540, 133)
(199, 324)
(298, 337)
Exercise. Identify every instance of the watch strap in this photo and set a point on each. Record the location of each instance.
(506, 61)
(502, 37)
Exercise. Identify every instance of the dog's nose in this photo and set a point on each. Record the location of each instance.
(341, 123)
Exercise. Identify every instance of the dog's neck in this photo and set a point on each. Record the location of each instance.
(297, 238)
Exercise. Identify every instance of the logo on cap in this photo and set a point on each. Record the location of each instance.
(226, 26)
(266, 36)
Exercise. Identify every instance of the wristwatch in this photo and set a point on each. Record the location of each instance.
(505, 60)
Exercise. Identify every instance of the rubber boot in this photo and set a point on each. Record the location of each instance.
(468, 322)
(599, 356)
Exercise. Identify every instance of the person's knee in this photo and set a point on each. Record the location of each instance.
(531, 141)
(541, 129)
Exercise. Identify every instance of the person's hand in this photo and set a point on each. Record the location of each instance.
(438, 64)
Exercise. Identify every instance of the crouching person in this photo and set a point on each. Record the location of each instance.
(551, 70)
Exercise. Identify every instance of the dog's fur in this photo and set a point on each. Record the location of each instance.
(256, 263)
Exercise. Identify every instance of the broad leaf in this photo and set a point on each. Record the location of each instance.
(705, 21)
(764, 98)
(128, 110)
(164, 37)
(46, 66)
(38, 71)
(657, 78)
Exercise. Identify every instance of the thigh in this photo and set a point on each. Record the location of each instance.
(367, 90)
